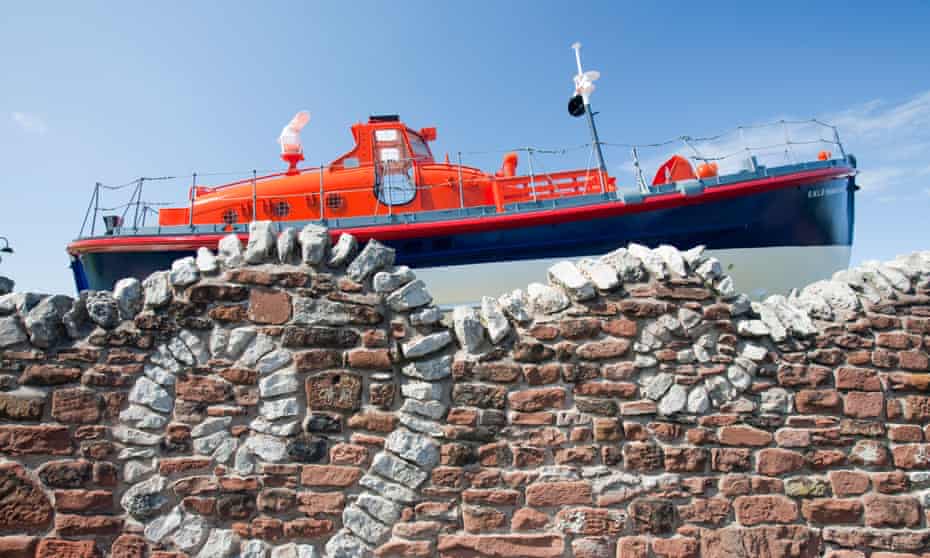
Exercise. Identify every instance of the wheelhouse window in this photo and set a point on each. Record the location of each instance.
(418, 146)
(395, 185)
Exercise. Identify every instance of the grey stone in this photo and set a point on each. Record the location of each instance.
(181, 352)
(673, 259)
(468, 328)
(382, 509)
(207, 262)
(346, 545)
(280, 383)
(752, 328)
(76, 319)
(320, 311)
(288, 251)
(159, 375)
(719, 390)
(157, 289)
(698, 401)
(314, 241)
(654, 388)
(545, 299)
(220, 544)
(628, 267)
(389, 281)
(388, 489)
(206, 445)
(265, 426)
(280, 408)
(275, 360)
(754, 352)
(162, 357)
(211, 425)
(19, 302)
(514, 304)
(239, 339)
(494, 320)
(136, 437)
(343, 250)
(219, 339)
(373, 257)
(253, 548)
(740, 305)
(363, 525)
(739, 378)
(134, 471)
(229, 250)
(293, 550)
(689, 319)
(674, 400)
(426, 344)
(776, 400)
(795, 320)
(431, 409)
(425, 316)
(145, 499)
(431, 370)
(806, 487)
(422, 390)
(422, 450)
(652, 261)
(267, 448)
(195, 345)
(138, 416)
(148, 393)
(262, 242)
(418, 424)
(695, 256)
(603, 276)
(398, 470)
(135, 453)
(746, 364)
(184, 272)
(410, 296)
(43, 322)
(244, 463)
(567, 276)
(262, 345)
(128, 295)
(161, 527)
(224, 452)
(767, 314)
(191, 534)
(557, 473)
(725, 287)
(710, 270)
(11, 332)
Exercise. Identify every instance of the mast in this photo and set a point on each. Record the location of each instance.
(584, 87)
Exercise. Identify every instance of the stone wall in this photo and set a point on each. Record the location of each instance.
(299, 399)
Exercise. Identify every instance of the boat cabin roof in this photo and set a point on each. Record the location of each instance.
(386, 138)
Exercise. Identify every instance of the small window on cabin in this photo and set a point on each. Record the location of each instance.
(386, 136)
(390, 154)
(350, 163)
(420, 149)
(230, 217)
(281, 209)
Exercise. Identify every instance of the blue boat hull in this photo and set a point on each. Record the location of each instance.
(818, 213)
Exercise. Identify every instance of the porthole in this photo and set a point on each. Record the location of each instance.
(334, 201)
(281, 209)
(230, 217)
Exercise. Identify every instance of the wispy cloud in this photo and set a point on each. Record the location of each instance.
(890, 139)
(30, 123)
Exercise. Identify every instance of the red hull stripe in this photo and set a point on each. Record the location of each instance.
(399, 231)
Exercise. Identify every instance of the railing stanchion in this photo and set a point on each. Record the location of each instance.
(193, 196)
(322, 215)
(254, 195)
(640, 181)
(784, 127)
(461, 186)
(529, 160)
(135, 217)
(839, 144)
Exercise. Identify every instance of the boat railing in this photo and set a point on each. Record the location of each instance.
(743, 149)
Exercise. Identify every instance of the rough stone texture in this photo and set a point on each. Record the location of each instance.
(277, 409)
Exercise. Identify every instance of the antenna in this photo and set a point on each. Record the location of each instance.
(580, 103)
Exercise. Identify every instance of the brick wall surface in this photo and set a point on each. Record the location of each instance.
(298, 398)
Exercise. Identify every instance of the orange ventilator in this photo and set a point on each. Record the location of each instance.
(707, 170)
(824, 156)
(675, 169)
(508, 166)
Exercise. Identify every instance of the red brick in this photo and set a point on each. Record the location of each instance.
(329, 475)
(891, 511)
(849, 483)
(525, 546)
(18, 546)
(828, 511)
(817, 401)
(528, 519)
(61, 548)
(863, 379)
(269, 306)
(531, 400)
(633, 547)
(678, 547)
(742, 435)
(560, 493)
(861, 404)
(83, 500)
(478, 519)
(772, 461)
(753, 510)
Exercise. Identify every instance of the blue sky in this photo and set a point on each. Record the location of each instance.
(112, 91)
